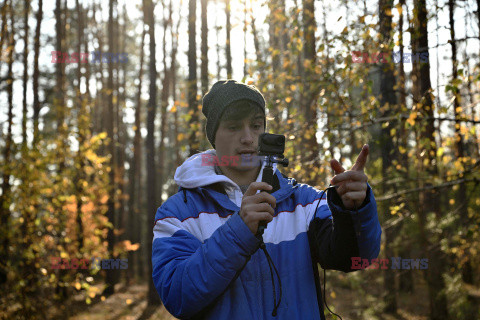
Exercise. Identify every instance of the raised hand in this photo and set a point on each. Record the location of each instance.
(351, 184)
(257, 207)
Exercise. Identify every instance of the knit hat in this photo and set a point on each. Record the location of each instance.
(220, 96)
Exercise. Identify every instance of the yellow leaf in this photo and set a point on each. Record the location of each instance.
(452, 201)
(78, 286)
(288, 99)
(102, 298)
(293, 87)
(128, 301)
(440, 151)
(333, 295)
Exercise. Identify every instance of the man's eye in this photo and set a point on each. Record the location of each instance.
(232, 128)
(257, 126)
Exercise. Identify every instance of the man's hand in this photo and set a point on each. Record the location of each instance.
(351, 184)
(257, 206)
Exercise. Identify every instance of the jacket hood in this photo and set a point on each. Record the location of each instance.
(192, 174)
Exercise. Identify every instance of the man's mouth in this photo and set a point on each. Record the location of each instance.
(247, 154)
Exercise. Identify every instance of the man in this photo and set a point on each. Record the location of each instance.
(206, 262)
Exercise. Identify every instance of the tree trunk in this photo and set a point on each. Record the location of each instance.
(406, 278)
(192, 77)
(310, 90)
(256, 44)
(25, 74)
(428, 147)
(82, 126)
(388, 102)
(36, 72)
(110, 279)
(3, 28)
(478, 17)
(135, 174)
(164, 103)
(245, 24)
(204, 66)
(59, 100)
(173, 79)
(227, 45)
(153, 298)
(471, 311)
(273, 38)
(121, 128)
(217, 33)
(5, 199)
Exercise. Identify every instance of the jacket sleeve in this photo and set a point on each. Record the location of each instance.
(189, 274)
(340, 234)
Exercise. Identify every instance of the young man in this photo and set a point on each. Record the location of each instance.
(206, 262)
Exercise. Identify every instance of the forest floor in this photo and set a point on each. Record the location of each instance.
(352, 296)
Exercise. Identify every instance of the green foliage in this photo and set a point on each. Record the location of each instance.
(43, 224)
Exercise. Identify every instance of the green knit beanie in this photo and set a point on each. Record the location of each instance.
(220, 96)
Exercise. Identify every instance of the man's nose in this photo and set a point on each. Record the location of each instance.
(247, 135)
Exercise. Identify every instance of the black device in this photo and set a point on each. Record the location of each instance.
(272, 146)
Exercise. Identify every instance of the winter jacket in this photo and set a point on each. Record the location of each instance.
(200, 242)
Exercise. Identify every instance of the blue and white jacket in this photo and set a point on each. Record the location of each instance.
(200, 242)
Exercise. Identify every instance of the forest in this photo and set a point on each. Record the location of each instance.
(100, 102)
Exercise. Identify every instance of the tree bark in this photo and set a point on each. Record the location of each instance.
(310, 90)
(134, 205)
(110, 279)
(25, 74)
(36, 73)
(5, 197)
(59, 100)
(204, 66)
(192, 78)
(256, 44)
(388, 102)
(471, 311)
(406, 278)
(227, 45)
(173, 79)
(152, 298)
(427, 157)
(82, 125)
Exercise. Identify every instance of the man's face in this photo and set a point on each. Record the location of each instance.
(238, 139)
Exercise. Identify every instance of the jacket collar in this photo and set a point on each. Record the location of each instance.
(283, 187)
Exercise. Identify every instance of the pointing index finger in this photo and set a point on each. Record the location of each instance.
(361, 159)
